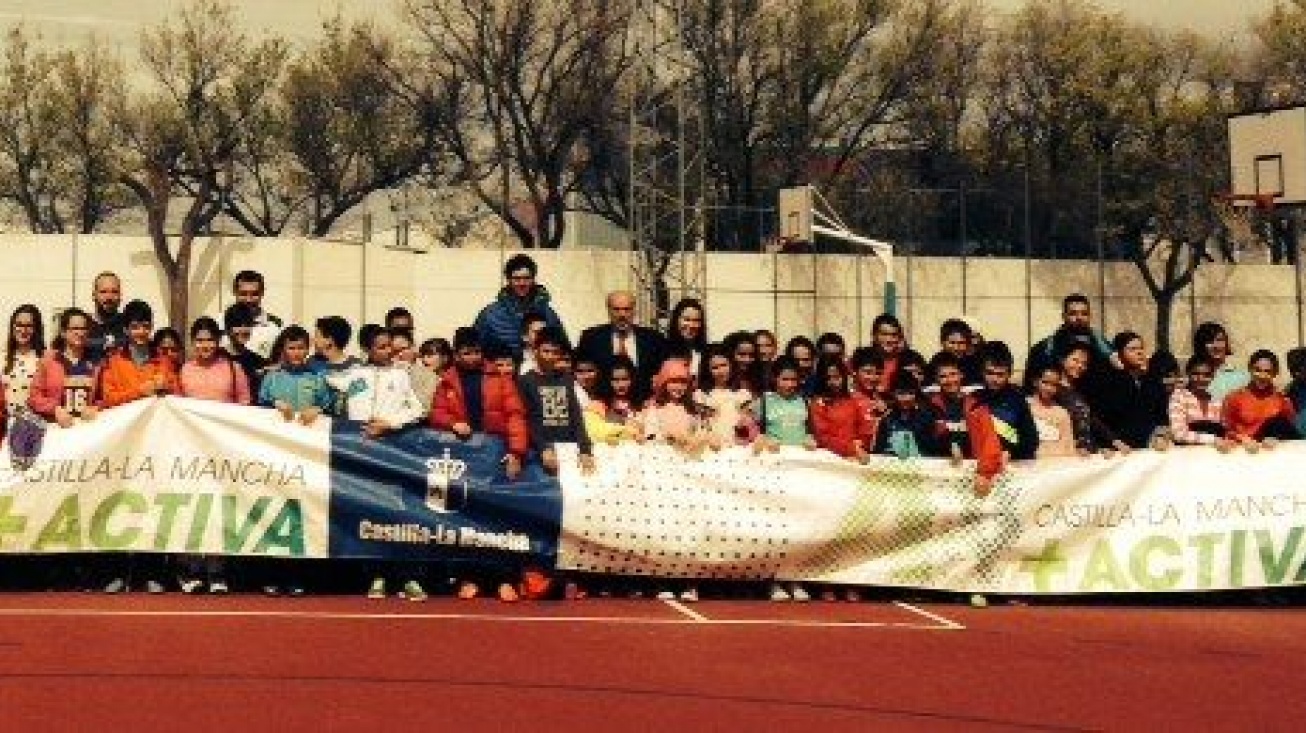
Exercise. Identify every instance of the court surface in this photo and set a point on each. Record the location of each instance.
(86, 662)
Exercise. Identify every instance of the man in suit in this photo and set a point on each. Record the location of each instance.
(621, 337)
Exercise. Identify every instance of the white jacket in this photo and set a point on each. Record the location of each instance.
(377, 393)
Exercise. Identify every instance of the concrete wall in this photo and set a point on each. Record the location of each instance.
(790, 294)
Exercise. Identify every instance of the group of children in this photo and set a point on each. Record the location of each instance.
(1081, 397)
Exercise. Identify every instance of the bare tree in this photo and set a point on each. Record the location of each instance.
(87, 82)
(29, 123)
(525, 81)
(183, 137)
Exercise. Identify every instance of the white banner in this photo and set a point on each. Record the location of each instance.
(1188, 519)
(172, 475)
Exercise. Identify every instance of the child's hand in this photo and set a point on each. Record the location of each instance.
(377, 428)
(287, 412)
(512, 466)
(462, 430)
(1121, 446)
(587, 464)
(1160, 444)
(956, 458)
(309, 416)
(809, 443)
(983, 485)
(63, 418)
(1224, 445)
(1270, 443)
(550, 460)
(90, 413)
(1252, 446)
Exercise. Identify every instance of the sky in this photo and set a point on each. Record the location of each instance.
(119, 21)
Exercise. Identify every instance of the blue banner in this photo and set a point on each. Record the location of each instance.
(423, 495)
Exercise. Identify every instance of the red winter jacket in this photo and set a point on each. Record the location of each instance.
(838, 424)
(505, 415)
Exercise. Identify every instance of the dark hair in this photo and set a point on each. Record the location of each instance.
(1162, 364)
(291, 333)
(674, 339)
(794, 343)
(1296, 360)
(335, 328)
(713, 351)
(466, 337)
(1053, 367)
(764, 332)
(886, 319)
(940, 361)
(829, 337)
(401, 333)
(904, 381)
(431, 347)
(751, 374)
(1206, 333)
(1069, 347)
(519, 262)
(912, 358)
(238, 315)
(65, 320)
(823, 366)
(1263, 354)
(1074, 298)
(783, 363)
(1200, 360)
(204, 323)
(249, 276)
(137, 311)
(368, 334)
(996, 353)
(955, 326)
(493, 350)
(638, 391)
(553, 336)
(530, 317)
(864, 356)
(38, 334)
(1122, 340)
(168, 332)
(397, 312)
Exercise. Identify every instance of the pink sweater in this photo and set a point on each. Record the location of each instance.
(221, 381)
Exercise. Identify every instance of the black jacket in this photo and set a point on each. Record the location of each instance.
(598, 345)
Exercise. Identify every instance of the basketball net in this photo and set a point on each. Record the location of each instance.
(1240, 215)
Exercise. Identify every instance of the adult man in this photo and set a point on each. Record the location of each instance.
(249, 288)
(108, 332)
(621, 337)
(1076, 315)
(500, 322)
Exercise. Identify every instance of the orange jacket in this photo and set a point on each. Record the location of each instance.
(122, 381)
(505, 414)
(1246, 413)
(838, 424)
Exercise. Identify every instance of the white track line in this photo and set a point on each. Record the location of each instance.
(947, 623)
(686, 610)
(332, 615)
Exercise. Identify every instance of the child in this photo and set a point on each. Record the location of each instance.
(617, 405)
(726, 408)
(293, 388)
(867, 377)
(1258, 416)
(1056, 434)
(951, 403)
(1296, 390)
(239, 321)
(1001, 426)
(910, 428)
(1196, 416)
(671, 415)
(836, 417)
(784, 420)
(210, 374)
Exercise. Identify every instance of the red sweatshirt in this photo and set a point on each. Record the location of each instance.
(504, 412)
(840, 423)
(1246, 412)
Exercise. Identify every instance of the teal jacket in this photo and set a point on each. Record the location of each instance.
(299, 387)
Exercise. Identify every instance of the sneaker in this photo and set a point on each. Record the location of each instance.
(829, 596)
(296, 591)
(377, 591)
(779, 594)
(190, 585)
(572, 591)
(508, 594)
(852, 595)
(799, 593)
(271, 590)
(153, 586)
(413, 591)
(689, 595)
(219, 587)
(468, 590)
(666, 595)
(117, 585)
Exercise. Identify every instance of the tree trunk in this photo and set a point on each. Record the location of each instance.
(1164, 314)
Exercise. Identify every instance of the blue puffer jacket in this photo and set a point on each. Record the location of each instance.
(500, 321)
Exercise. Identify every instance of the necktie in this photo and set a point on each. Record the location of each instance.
(622, 350)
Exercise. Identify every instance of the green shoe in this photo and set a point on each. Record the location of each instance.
(377, 591)
(413, 591)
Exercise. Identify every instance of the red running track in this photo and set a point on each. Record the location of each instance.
(171, 663)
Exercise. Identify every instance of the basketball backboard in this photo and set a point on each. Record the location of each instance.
(1267, 155)
(796, 214)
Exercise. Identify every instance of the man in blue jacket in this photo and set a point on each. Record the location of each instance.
(500, 322)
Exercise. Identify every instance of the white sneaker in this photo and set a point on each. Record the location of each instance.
(666, 595)
(219, 587)
(153, 586)
(779, 594)
(190, 585)
(413, 591)
(117, 585)
(799, 593)
(377, 591)
(689, 595)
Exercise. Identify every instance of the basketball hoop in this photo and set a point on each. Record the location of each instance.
(1241, 214)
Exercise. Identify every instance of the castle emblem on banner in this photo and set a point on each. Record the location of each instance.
(445, 490)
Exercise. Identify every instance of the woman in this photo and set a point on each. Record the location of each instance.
(687, 333)
(1212, 340)
(209, 375)
(1259, 415)
(1128, 400)
(743, 355)
(22, 355)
